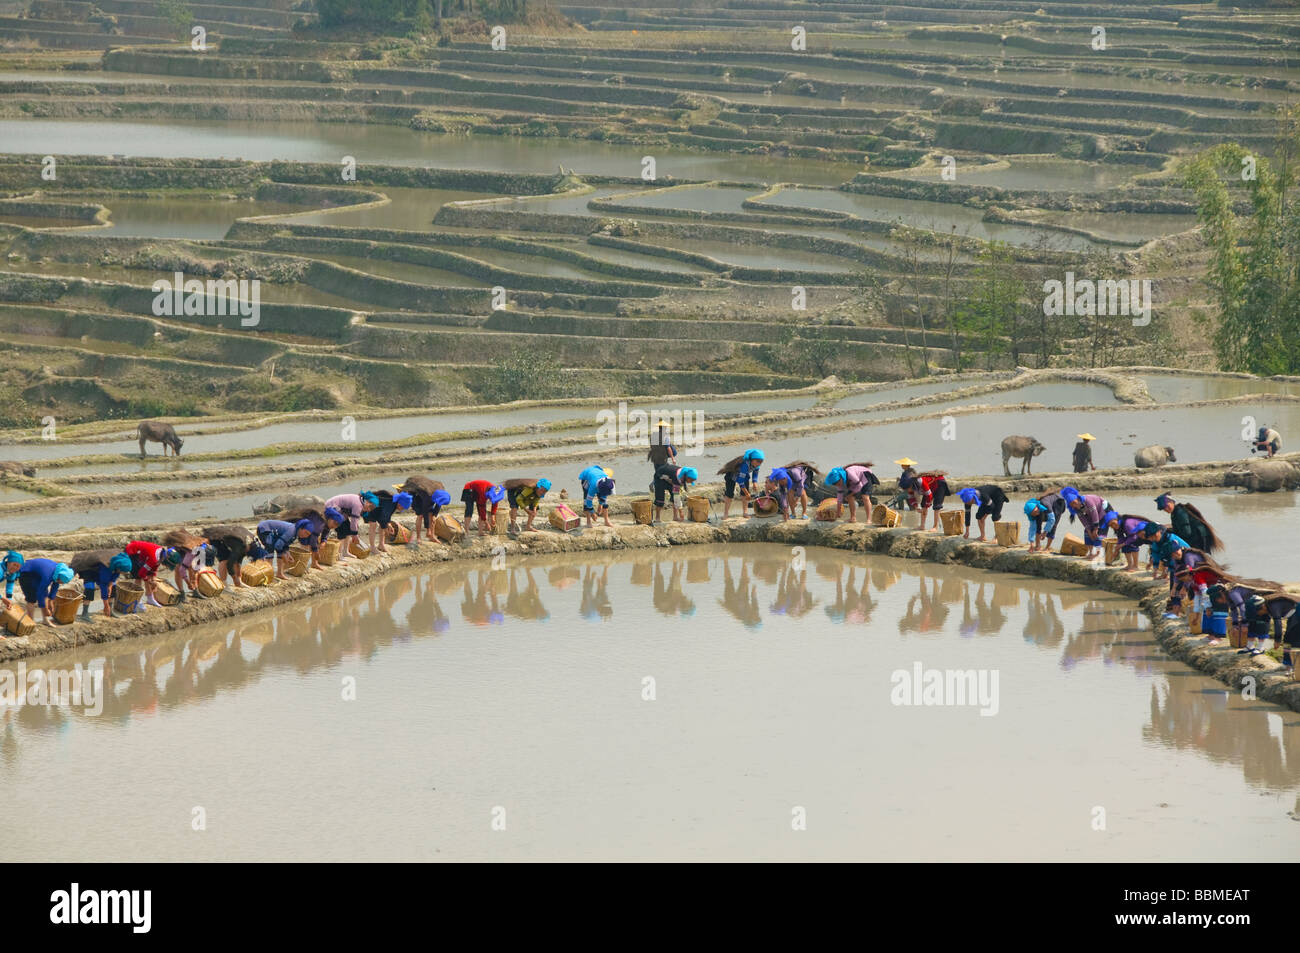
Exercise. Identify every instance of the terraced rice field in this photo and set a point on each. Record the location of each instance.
(969, 125)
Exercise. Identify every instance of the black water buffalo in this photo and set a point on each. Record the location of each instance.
(159, 432)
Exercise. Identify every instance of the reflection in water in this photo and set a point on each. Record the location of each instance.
(700, 596)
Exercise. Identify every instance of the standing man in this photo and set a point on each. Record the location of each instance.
(1083, 453)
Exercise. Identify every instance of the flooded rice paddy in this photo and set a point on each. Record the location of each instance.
(774, 687)
(304, 141)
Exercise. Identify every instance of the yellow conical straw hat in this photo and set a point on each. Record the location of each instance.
(906, 462)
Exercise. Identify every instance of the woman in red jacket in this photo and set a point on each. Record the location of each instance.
(479, 493)
(145, 559)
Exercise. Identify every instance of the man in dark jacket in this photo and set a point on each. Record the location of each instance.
(1083, 453)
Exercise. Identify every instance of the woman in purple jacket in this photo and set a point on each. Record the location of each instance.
(854, 482)
(1126, 528)
(1091, 510)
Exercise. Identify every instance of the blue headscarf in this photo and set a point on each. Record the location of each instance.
(1070, 494)
(63, 574)
(544, 484)
(441, 497)
(403, 500)
(752, 456)
(778, 474)
(13, 556)
(969, 496)
(496, 494)
(605, 487)
(370, 498)
(120, 563)
(1162, 499)
(836, 476)
(333, 514)
(1033, 506)
(1110, 515)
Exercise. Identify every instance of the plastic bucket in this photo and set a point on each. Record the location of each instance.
(1214, 623)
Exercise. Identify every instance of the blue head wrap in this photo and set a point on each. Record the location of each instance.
(1033, 506)
(837, 476)
(1162, 499)
(543, 484)
(1069, 494)
(970, 495)
(441, 497)
(605, 487)
(370, 498)
(752, 455)
(13, 556)
(336, 515)
(403, 500)
(496, 494)
(692, 474)
(1110, 516)
(63, 574)
(120, 563)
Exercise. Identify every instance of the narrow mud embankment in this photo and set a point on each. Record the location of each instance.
(1262, 674)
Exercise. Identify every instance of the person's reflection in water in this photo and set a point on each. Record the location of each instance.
(852, 603)
(643, 573)
(925, 610)
(988, 612)
(481, 608)
(526, 602)
(561, 577)
(792, 597)
(595, 594)
(669, 598)
(969, 622)
(768, 569)
(740, 598)
(1042, 625)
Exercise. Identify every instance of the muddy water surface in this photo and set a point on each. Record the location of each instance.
(524, 691)
(391, 145)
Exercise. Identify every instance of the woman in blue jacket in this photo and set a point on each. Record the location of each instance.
(39, 580)
(597, 487)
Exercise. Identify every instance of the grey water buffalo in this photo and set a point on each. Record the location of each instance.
(1153, 456)
(1263, 476)
(287, 501)
(1023, 448)
(156, 431)
(14, 468)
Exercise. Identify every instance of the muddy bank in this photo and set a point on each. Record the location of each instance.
(1221, 662)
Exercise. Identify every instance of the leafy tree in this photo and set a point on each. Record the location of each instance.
(1253, 257)
(996, 305)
